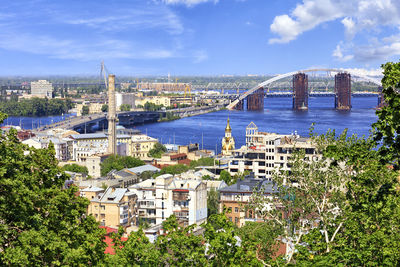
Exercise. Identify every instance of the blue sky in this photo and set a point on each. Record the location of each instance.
(196, 37)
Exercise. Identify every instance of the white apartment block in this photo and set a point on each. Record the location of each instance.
(165, 195)
(60, 145)
(265, 152)
(125, 98)
(42, 88)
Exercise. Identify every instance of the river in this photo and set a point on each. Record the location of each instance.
(277, 117)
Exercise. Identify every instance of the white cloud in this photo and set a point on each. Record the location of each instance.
(143, 18)
(188, 3)
(364, 17)
(338, 54)
(366, 72)
(72, 49)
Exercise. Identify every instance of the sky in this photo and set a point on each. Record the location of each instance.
(196, 37)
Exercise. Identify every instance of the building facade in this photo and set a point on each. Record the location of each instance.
(113, 207)
(166, 195)
(42, 88)
(264, 153)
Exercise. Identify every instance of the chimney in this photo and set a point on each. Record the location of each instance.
(112, 118)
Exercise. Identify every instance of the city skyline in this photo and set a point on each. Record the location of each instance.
(196, 37)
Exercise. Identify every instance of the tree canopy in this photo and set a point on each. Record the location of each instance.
(36, 107)
(116, 162)
(75, 168)
(41, 222)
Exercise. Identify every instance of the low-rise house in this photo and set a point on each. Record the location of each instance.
(113, 207)
(234, 199)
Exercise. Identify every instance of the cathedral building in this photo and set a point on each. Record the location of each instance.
(228, 142)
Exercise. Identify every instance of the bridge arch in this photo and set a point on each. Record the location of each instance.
(282, 76)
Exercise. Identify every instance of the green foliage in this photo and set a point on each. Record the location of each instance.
(225, 249)
(41, 223)
(36, 107)
(125, 107)
(212, 202)
(75, 168)
(116, 162)
(202, 162)
(180, 246)
(387, 128)
(152, 107)
(85, 110)
(226, 177)
(262, 237)
(104, 108)
(146, 175)
(157, 150)
(174, 169)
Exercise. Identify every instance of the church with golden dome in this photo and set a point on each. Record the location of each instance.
(228, 142)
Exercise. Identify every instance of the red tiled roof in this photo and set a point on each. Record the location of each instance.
(109, 241)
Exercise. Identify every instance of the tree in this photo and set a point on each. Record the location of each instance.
(174, 169)
(202, 162)
(85, 110)
(42, 223)
(116, 162)
(75, 168)
(180, 246)
(225, 247)
(125, 107)
(212, 202)
(157, 150)
(104, 108)
(226, 177)
(387, 128)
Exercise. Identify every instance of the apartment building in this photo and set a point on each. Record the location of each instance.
(165, 195)
(139, 145)
(112, 207)
(236, 197)
(157, 100)
(265, 152)
(86, 145)
(42, 88)
(60, 145)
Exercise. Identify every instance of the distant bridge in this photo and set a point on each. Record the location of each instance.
(256, 92)
(89, 123)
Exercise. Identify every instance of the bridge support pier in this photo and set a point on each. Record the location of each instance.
(300, 91)
(255, 101)
(381, 98)
(239, 105)
(343, 91)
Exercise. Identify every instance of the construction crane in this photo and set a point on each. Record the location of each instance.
(187, 89)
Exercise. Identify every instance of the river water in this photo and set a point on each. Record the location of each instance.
(278, 117)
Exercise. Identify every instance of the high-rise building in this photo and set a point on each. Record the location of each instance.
(42, 88)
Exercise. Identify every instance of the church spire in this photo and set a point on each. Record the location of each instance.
(228, 126)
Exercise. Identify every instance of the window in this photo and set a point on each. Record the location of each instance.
(230, 218)
(162, 215)
(236, 220)
(236, 209)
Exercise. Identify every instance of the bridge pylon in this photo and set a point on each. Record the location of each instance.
(343, 91)
(300, 91)
(255, 101)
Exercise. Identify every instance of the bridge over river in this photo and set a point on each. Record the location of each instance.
(93, 122)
